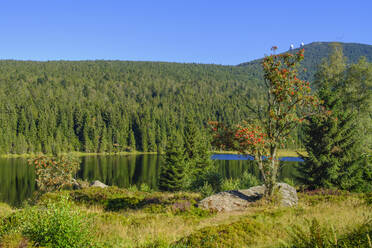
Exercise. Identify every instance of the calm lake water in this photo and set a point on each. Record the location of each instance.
(17, 178)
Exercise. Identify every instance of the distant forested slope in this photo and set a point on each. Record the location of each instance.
(97, 106)
(314, 54)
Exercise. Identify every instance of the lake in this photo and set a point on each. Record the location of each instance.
(17, 178)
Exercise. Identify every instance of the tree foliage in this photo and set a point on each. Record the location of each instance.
(289, 102)
(173, 169)
(60, 106)
(54, 173)
(335, 145)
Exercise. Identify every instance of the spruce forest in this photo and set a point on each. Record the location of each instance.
(111, 106)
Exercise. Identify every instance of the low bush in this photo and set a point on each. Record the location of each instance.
(248, 180)
(315, 197)
(211, 181)
(206, 190)
(124, 203)
(230, 184)
(5, 209)
(55, 224)
(315, 235)
(114, 199)
(101, 196)
(238, 234)
(54, 173)
(367, 197)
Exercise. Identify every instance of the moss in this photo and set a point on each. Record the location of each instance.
(238, 234)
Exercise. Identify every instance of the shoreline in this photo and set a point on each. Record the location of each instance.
(78, 154)
(281, 153)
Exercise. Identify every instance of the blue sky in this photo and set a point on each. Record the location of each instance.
(200, 31)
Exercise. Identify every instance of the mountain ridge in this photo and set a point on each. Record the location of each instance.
(316, 51)
(62, 106)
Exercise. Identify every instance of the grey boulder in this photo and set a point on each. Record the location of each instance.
(98, 184)
(236, 200)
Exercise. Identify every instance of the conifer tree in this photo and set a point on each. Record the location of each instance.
(131, 140)
(197, 154)
(172, 171)
(332, 144)
(191, 138)
(332, 147)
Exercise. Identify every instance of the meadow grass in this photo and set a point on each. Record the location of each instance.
(171, 220)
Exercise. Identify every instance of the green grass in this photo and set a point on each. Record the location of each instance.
(132, 218)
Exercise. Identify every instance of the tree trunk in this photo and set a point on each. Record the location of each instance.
(272, 172)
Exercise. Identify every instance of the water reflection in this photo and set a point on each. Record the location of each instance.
(17, 179)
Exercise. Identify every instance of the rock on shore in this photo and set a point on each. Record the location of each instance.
(235, 200)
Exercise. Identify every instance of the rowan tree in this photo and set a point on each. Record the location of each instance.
(289, 101)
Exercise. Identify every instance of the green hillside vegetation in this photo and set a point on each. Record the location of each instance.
(315, 52)
(116, 106)
(98, 106)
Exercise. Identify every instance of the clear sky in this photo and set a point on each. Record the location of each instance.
(201, 31)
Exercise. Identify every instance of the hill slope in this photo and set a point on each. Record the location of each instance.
(315, 52)
(89, 106)
(97, 106)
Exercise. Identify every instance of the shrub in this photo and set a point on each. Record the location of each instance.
(54, 173)
(145, 188)
(315, 235)
(53, 224)
(237, 234)
(57, 224)
(5, 209)
(209, 177)
(124, 203)
(367, 197)
(206, 190)
(230, 184)
(289, 181)
(211, 181)
(248, 180)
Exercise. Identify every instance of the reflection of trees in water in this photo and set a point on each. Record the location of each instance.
(121, 171)
(235, 168)
(17, 179)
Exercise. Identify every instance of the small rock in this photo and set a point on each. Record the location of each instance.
(235, 200)
(79, 184)
(98, 184)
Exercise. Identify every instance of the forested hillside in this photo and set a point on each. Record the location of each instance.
(317, 51)
(97, 106)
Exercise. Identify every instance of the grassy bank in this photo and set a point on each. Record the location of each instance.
(281, 153)
(78, 154)
(130, 218)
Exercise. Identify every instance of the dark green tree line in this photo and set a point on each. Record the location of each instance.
(336, 146)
